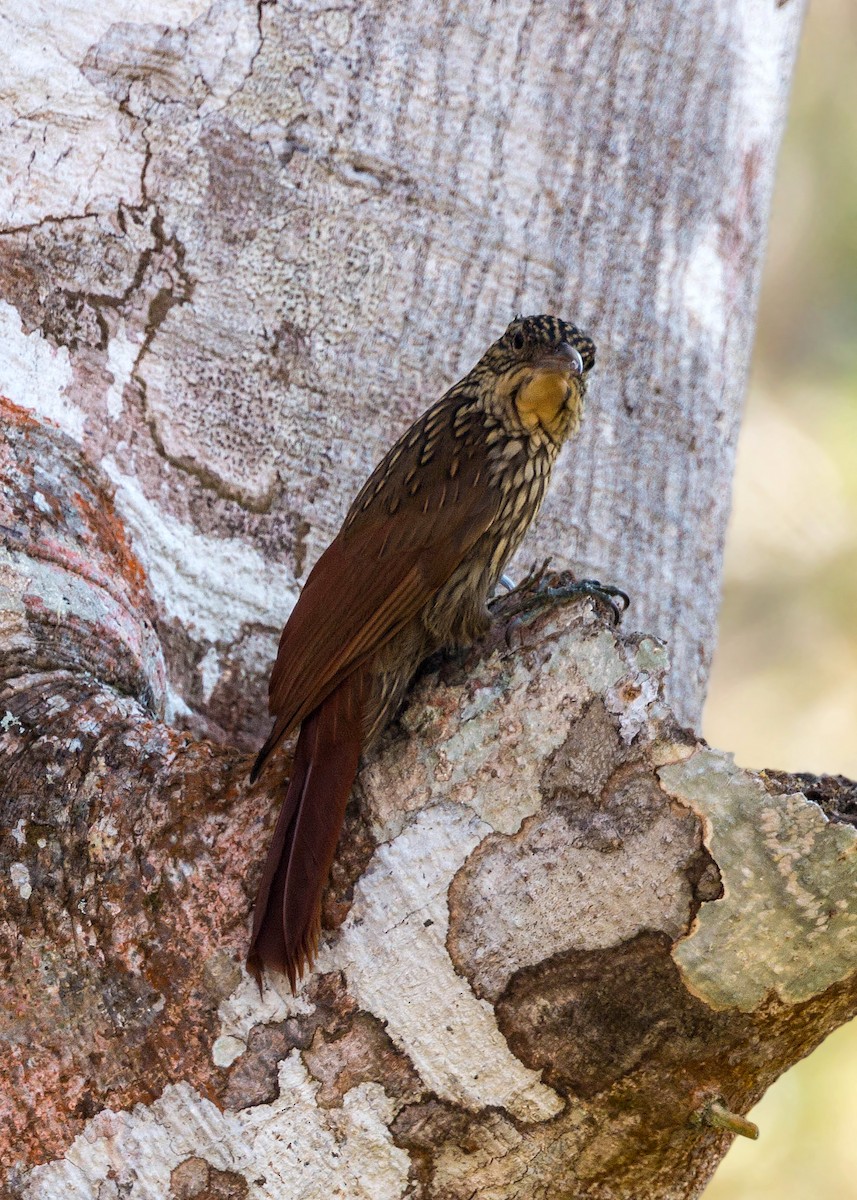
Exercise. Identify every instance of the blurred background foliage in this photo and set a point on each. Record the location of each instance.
(784, 685)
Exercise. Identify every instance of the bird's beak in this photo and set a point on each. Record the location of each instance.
(563, 358)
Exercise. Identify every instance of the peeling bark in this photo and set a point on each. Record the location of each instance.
(244, 245)
(559, 925)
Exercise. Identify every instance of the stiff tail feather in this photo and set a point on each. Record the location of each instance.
(287, 916)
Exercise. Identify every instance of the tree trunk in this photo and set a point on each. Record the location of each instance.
(247, 246)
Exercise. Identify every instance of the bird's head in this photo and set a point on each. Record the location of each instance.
(537, 372)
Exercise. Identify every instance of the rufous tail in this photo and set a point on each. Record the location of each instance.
(287, 916)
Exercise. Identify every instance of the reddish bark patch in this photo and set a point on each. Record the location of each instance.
(137, 861)
(356, 847)
(423, 1129)
(57, 511)
(14, 414)
(363, 1053)
(196, 1179)
(252, 1078)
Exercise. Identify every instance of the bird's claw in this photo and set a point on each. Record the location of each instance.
(602, 593)
(540, 590)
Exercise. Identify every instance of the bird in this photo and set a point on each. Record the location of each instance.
(409, 573)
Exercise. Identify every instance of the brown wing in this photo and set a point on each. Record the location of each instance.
(421, 511)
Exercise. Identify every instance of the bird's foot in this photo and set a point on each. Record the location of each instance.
(542, 589)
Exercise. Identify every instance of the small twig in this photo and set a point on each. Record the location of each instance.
(716, 1115)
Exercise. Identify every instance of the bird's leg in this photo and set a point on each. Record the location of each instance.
(530, 582)
(541, 590)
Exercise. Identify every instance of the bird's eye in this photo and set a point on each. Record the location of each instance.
(518, 341)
